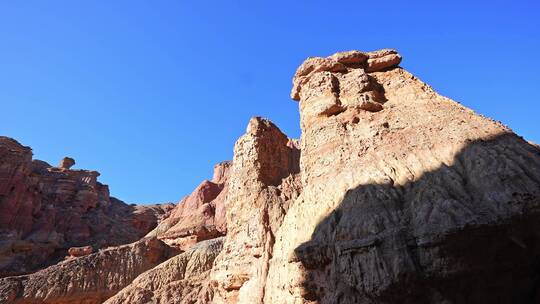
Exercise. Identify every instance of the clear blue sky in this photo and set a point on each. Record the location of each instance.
(153, 93)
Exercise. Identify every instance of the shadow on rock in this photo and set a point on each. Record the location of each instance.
(468, 232)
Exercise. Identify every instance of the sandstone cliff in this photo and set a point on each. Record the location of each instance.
(45, 210)
(408, 197)
(393, 194)
(199, 216)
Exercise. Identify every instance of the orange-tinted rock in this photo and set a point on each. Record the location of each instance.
(66, 163)
(90, 279)
(263, 182)
(351, 57)
(419, 201)
(383, 59)
(199, 216)
(80, 251)
(182, 279)
(221, 172)
(45, 210)
(393, 194)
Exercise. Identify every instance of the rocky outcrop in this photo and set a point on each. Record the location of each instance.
(182, 279)
(86, 280)
(415, 200)
(66, 163)
(393, 194)
(76, 252)
(46, 210)
(262, 184)
(199, 216)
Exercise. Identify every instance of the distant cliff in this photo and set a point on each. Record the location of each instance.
(46, 210)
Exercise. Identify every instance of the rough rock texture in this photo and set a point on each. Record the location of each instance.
(199, 216)
(180, 280)
(417, 201)
(262, 183)
(86, 280)
(80, 251)
(66, 163)
(393, 194)
(45, 210)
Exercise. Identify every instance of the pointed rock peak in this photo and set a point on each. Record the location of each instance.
(221, 172)
(264, 152)
(258, 125)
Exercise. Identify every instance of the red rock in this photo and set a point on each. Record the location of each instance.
(80, 251)
(89, 279)
(44, 209)
(66, 163)
(398, 195)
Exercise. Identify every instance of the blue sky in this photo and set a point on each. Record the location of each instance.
(153, 93)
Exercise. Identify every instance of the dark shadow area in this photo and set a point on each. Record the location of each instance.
(464, 233)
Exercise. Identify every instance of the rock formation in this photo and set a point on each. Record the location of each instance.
(45, 210)
(199, 216)
(80, 251)
(263, 182)
(413, 200)
(66, 163)
(182, 279)
(87, 280)
(393, 194)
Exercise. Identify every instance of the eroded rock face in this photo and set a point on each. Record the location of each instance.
(66, 163)
(418, 201)
(80, 251)
(341, 82)
(262, 184)
(87, 280)
(45, 210)
(182, 279)
(199, 216)
(393, 194)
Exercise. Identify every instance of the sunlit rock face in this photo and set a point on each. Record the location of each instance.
(415, 200)
(393, 194)
(199, 216)
(46, 210)
(182, 279)
(263, 182)
(89, 279)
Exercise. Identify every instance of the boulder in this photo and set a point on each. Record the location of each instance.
(76, 252)
(66, 163)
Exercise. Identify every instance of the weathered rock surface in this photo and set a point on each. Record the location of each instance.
(66, 163)
(86, 280)
(393, 194)
(418, 201)
(182, 279)
(45, 210)
(199, 216)
(263, 182)
(80, 251)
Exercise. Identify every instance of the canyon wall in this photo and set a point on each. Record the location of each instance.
(393, 194)
(46, 210)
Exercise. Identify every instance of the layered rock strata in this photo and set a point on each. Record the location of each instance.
(414, 200)
(86, 280)
(199, 216)
(263, 182)
(393, 194)
(182, 279)
(46, 210)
